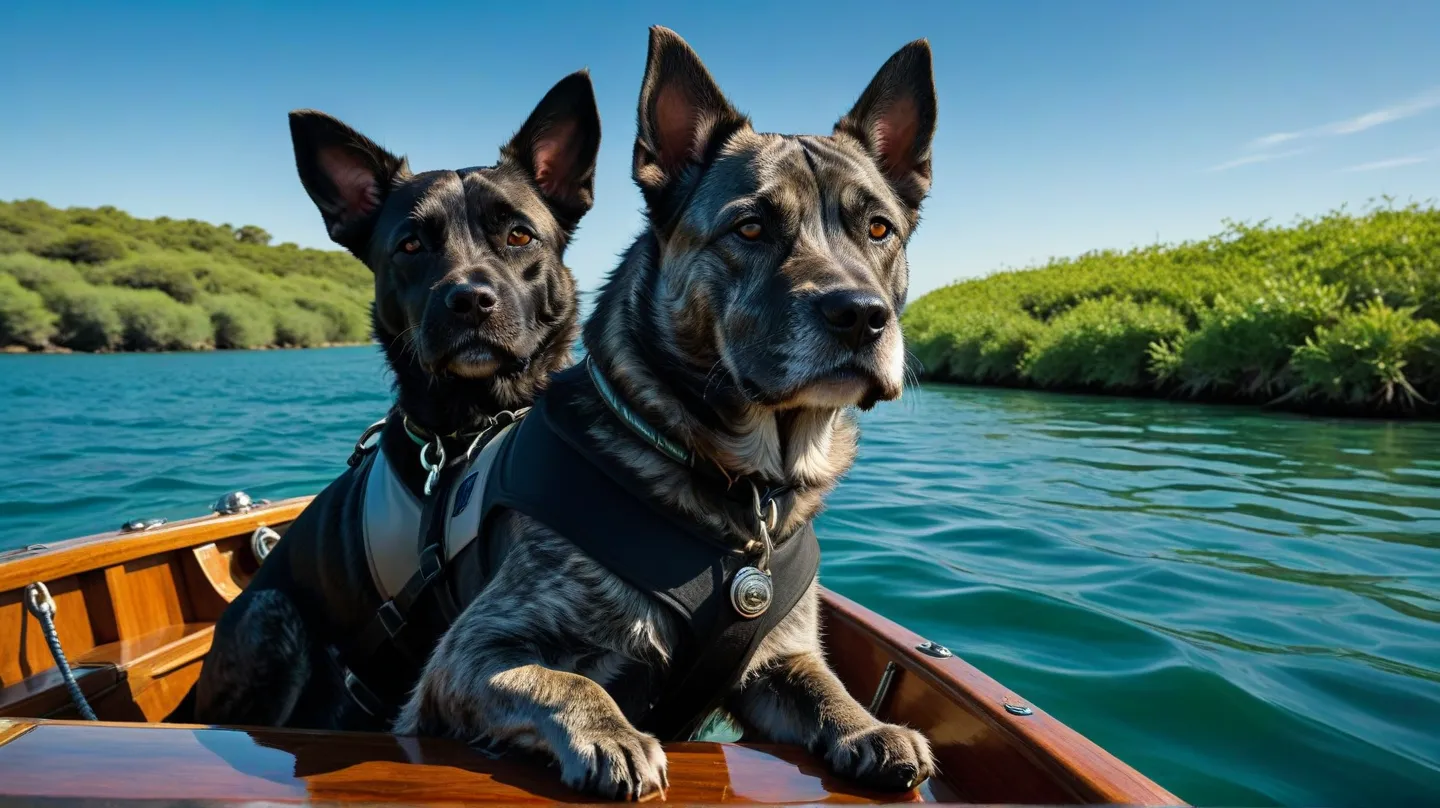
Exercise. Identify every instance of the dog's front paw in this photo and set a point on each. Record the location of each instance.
(883, 756)
(616, 762)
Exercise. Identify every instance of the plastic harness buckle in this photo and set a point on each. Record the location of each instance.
(391, 619)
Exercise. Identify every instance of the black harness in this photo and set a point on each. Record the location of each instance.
(549, 467)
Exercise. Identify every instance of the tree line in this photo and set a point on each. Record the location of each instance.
(98, 279)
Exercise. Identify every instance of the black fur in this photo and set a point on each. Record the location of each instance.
(474, 308)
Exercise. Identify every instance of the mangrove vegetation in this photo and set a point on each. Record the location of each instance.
(1335, 312)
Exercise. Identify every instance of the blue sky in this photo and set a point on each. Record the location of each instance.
(1064, 126)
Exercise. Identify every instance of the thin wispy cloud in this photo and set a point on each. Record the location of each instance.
(1381, 165)
(1274, 140)
(1417, 105)
(1251, 159)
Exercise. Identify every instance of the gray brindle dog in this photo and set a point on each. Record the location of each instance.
(759, 305)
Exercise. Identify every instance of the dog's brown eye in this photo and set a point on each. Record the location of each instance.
(750, 231)
(879, 229)
(410, 246)
(518, 237)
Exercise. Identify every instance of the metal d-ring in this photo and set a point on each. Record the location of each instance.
(38, 600)
(432, 469)
(262, 541)
(360, 447)
(767, 523)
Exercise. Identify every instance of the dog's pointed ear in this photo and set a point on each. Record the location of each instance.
(558, 145)
(346, 174)
(895, 121)
(681, 111)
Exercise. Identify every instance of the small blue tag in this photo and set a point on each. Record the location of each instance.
(462, 496)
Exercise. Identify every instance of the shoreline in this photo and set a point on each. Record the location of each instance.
(54, 350)
(1312, 408)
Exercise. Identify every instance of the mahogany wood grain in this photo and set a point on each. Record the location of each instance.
(128, 680)
(221, 568)
(158, 651)
(44, 694)
(107, 549)
(145, 594)
(23, 650)
(158, 670)
(11, 729)
(117, 588)
(165, 690)
(99, 607)
(986, 753)
(77, 760)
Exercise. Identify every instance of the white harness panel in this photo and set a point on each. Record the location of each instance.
(392, 517)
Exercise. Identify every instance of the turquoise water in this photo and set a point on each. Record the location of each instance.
(1244, 606)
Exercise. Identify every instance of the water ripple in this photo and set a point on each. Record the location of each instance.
(1245, 606)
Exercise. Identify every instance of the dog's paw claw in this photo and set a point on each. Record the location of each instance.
(885, 756)
(618, 764)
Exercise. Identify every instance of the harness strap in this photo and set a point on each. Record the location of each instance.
(359, 692)
(715, 666)
(409, 623)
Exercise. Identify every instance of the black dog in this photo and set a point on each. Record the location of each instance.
(474, 308)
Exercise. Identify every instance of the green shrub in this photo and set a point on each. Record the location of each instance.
(299, 328)
(24, 320)
(979, 346)
(1364, 357)
(36, 273)
(1424, 369)
(1102, 342)
(87, 317)
(250, 234)
(239, 321)
(1244, 343)
(171, 274)
(220, 276)
(344, 321)
(84, 245)
(154, 321)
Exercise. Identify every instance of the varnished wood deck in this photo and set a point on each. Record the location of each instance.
(177, 762)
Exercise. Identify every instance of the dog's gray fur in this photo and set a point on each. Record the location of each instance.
(714, 338)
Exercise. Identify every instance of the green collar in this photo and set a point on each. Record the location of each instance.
(423, 437)
(409, 430)
(652, 436)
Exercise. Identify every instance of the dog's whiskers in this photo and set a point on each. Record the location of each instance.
(911, 382)
(709, 378)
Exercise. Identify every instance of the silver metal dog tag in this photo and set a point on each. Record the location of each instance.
(751, 592)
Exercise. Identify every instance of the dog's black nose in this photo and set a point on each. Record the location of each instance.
(857, 318)
(475, 301)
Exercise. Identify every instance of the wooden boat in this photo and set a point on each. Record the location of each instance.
(135, 611)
